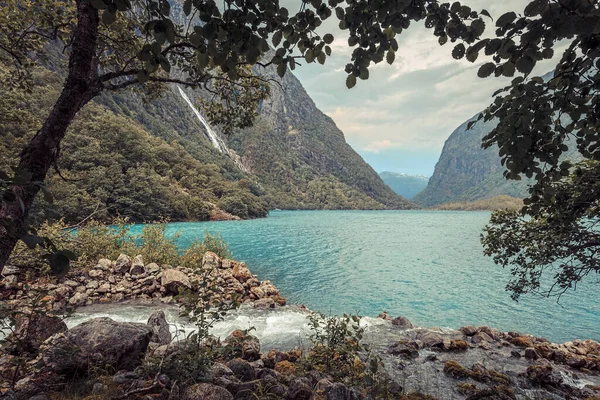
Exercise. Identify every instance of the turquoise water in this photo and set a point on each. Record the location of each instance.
(426, 265)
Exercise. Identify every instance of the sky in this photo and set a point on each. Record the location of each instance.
(399, 119)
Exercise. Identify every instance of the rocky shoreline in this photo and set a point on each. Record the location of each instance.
(469, 363)
(129, 278)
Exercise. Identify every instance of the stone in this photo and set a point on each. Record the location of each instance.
(104, 264)
(404, 348)
(99, 341)
(402, 323)
(241, 273)
(430, 339)
(160, 328)
(210, 261)
(299, 389)
(227, 264)
(218, 370)
(339, 391)
(247, 345)
(264, 303)
(469, 330)
(11, 282)
(10, 270)
(385, 316)
(152, 268)
(206, 391)
(92, 285)
(531, 354)
(172, 280)
(269, 288)
(242, 369)
(104, 288)
(481, 337)
(78, 299)
(122, 264)
(137, 266)
(32, 330)
(95, 273)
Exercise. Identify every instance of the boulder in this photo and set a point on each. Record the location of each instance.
(242, 369)
(247, 345)
(137, 266)
(430, 338)
(172, 280)
(210, 261)
(339, 391)
(206, 391)
(10, 270)
(95, 273)
(160, 328)
(122, 264)
(241, 273)
(152, 268)
(264, 303)
(32, 330)
(78, 299)
(300, 389)
(104, 264)
(404, 348)
(402, 323)
(97, 342)
(385, 316)
(469, 330)
(104, 288)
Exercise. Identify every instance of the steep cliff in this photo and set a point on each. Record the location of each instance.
(405, 185)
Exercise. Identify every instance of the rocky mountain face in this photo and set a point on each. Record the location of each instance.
(405, 185)
(466, 172)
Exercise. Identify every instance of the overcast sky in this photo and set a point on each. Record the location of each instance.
(399, 119)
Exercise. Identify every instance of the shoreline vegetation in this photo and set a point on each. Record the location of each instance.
(495, 203)
(104, 359)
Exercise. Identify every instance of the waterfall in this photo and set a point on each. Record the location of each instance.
(212, 136)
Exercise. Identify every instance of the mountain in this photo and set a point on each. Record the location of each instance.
(466, 172)
(151, 155)
(405, 185)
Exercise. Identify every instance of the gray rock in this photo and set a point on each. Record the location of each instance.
(92, 285)
(206, 391)
(172, 280)
(99, 341)
(33, 330)
(242, 369)
(137, 266)
(402, 323)
(104, 264)
(210, 261)
(299, 389)
(122, 264)
(404, 348)
(264, 304)
(152, 268)
(339, 391)
(10, 270)
(469, 330)
(160, 328)
(248, 345)
(78, 299)
(104, 288)
(11, 282)
(95, 273)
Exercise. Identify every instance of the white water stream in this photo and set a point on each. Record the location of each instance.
(214, 138)
(282, 328)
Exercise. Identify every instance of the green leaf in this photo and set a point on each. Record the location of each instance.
(506, 19)
(4, 176)
(108, 17)
(98, 4)
(309, 56)
(508, 69)
(486, 13)
(187, 7)
(443, 40)
(164, 64)
(321, 58)
(59, 263)
(350, 81)
(281, 69)
(277, 36)
(390, 56)
(328, 38)
(459, 51)
(32, 241)
(525, 64)
(486, 70)
(143, 76)
(364, 74)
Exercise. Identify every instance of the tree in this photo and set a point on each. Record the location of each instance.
(118, 44)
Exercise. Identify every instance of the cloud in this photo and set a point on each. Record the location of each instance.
(412, 105)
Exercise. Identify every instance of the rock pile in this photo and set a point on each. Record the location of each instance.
(127, 279)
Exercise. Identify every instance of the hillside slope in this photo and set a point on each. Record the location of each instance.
(405, 185)
(466, 172)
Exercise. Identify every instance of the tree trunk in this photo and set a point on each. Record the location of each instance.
(80, 87)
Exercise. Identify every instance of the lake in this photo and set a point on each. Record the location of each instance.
(425, 265)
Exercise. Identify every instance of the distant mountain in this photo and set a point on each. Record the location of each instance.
(405, 185)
